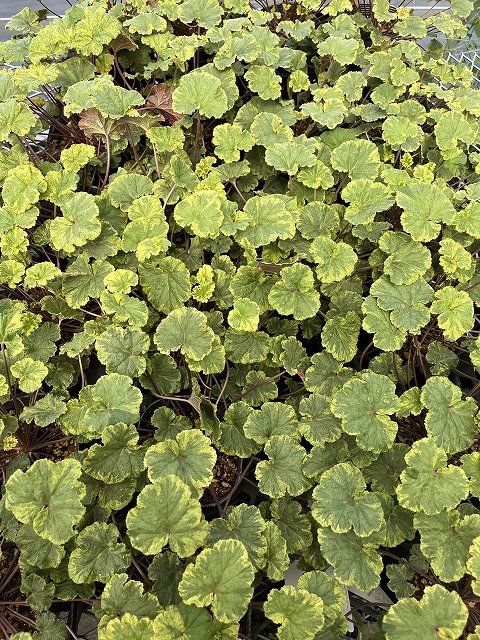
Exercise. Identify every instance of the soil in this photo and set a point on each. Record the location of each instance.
(225, 474)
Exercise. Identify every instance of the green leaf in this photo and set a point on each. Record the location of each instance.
(112, 399)
(246, 347)
(22, 187)
(340, 336)
(245, 315)
(282, 473)
(290, 156)
(440, 613)
(341, 502)
(364, 405)
(387, 336)
(455, 312)
(294, 525)
(37, 551)
(445, 540)
(366, 198)
(357, 158)
(206, 13)
(407, 260)
(406, 302)
(268, 129)
(49, 497)
(16, 118)
(424, 206)
(201, 211)
(335, 260)
(185, 330)
(221, 577)
(273, 419)
(78, 224)
(118, 458)
(125, 188)
(122, 596)
(229, 140)
(427, 484)
(453, 128)
(232, 439)
(167, 284)
(264, 81)
(166, 513)
(318, 424)
(243, 523)
(30, 374)
(45, 411)
(268, 218)
(450, 420)
(189, 457)
(456, 261)
(467, 219)
(276, 556)
(129, 627)
(202, 92)
(298, 612)
(355, 560)
(123, 350)
(384, 472)
(97, 556)
(96, 29)
(83, 281)
(295, 294)
(183, 621)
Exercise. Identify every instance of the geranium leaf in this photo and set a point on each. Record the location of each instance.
(22, 187)
(268, 129)
(407, 260)
(16, 118)
(189, 456)
(452, 128)
(166, 513)
(37, 551)
(201, 211)
(129, 627)
(264, 81)
(113, 399)
(341, 502)
(364, 405)
(124, 189)
(357, 158)
(298, 612)
(282, 473)
(335, 260)
(268, 218)
(273, 419)
(340, 336)
(427, 484)
(294, 525)
(355, 560)
(438, 613)
(166, 283)
(118, 458)
(450, 420)
(123, 350)
(245, 315)
(289, 156)
(243, 523)
(30, 374)
(184, 621)
(45, 411)
(200, 92)
(221, 577)
(406, 302)
(97, 555)
(276, 556)
(49, 497)
(425, 207)
(78, 224)
(445, 540)
(295, 293)
(185, 329)
(387, 336)
(366, 198)
(455, 312)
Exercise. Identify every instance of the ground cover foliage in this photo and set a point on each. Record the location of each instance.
(247, 235)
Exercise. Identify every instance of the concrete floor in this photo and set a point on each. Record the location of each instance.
(9, 8)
